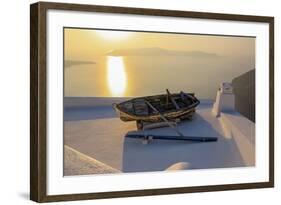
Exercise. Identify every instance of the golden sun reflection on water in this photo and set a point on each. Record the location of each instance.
(116, 76)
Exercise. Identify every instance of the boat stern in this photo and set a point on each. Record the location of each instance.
(122, 115)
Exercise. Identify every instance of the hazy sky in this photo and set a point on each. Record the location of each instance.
(121, 63)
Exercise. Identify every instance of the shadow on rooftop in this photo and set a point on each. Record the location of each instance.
(160, 154)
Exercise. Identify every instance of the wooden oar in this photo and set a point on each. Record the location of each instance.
(170, 137)
(165, 119)
(181, 136)
(172, 99)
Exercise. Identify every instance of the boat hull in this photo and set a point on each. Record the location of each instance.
(171, 115)
(186, 114)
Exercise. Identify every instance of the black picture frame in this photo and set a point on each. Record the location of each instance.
(38, 103)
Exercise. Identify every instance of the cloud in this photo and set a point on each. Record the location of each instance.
(155, 51)
(69, 63)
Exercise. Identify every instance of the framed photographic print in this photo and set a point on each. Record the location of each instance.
(134, 102)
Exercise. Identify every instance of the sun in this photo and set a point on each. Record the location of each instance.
(113, 35)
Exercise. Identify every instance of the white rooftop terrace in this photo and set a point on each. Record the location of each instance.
(98, 133)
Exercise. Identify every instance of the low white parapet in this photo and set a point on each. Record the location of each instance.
(235, 126)
(242, 130)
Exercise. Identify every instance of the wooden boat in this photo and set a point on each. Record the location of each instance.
(170, 107)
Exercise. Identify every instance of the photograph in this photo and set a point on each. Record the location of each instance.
(129, 101)
(149, 101)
